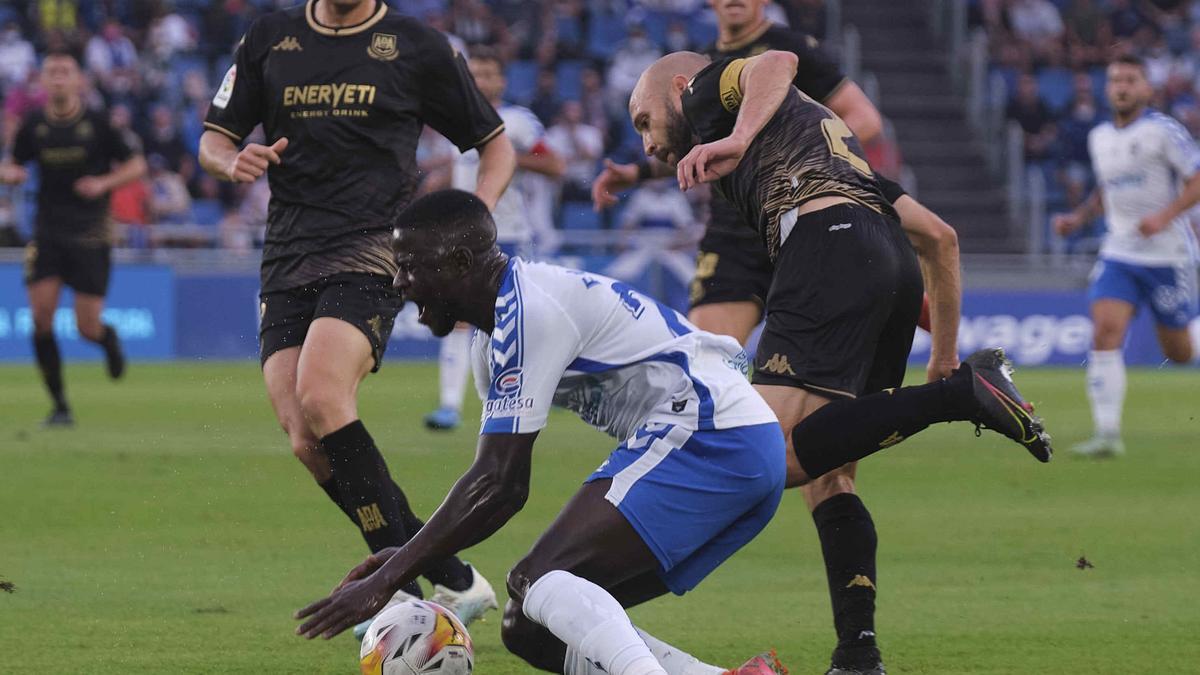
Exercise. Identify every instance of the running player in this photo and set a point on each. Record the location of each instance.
(342, 89)
(513, 232)
(699, 472)
(81, 159)
(733, 275)
(1147, 177)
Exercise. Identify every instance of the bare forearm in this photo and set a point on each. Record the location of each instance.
(1092, 207)
(126, 172)
(217, 152)
(765, 83)
(943, 284)
(497, 162)
(856, 110)
(548, 164)
(1187, 198)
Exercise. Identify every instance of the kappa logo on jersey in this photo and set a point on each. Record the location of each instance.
(288, 44)
(383, 47)
(891, 440)
(509, 382)
(778, 364)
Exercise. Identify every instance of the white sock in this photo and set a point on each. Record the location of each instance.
(676, 661)
(599, 636)
(454, 362)
(1194, 332)
(1106, 390)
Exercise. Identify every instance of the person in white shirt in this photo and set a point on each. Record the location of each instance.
(698, 473)
(581, 145)
(513, 225)
(1147, 177)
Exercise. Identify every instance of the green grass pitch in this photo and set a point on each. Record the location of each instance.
(171, 531)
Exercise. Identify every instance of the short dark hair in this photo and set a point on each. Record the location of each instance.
(485, 53)
(461, 216)
(1129, 60)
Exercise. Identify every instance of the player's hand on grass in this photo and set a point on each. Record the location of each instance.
(352, 602)
(90, 187)
(254, 159)
(613, 179)
(12, 174)
(1153, 224)
(709, 161)
(1066, 223)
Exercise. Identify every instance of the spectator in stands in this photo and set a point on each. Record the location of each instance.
(473, 21)
(1088, 33)
(163, 139)
(1124, 19)
(658, 226)
(169, 198)
(17, 58)
(113, 60)
(595, 110)
(1038, 23)
(566, 22)
(1028, 109)
(677, 38)
(1083, 113)
(545, 103)
(581, 145)
(19, 100)
(633, 56)
(806, 16)
(169, 34)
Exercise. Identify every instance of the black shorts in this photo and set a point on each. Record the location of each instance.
(843, 306)
(731, 268)
(366, 301)
(83, 267)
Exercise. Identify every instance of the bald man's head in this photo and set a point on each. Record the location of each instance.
(656, 108)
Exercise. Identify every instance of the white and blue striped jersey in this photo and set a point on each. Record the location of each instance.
(1140, 169)
(525, 132)
(615, 357)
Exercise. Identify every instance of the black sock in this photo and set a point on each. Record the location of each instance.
(109, 341)
(330, 488)
(848, 543)
(364, 486)
(45, 347)
(847, 430)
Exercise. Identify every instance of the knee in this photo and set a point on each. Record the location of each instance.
(1179, 353)
(519, 635)
(323, 408)
(305, 448)
(1107, 335)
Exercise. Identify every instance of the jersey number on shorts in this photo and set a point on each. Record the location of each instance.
(836, 133)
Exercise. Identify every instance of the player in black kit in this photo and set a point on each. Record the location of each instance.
(81, 159)
(846, 290)
(342, 89)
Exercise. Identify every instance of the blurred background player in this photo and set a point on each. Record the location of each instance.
(1147, 177)
(343, 89)
(514, 226)
(81, 159)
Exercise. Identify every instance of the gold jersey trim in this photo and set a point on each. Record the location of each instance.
(68, 120)
(731, 86)
(494, 133)
(222, 130)
(750, 38)
(310, 14)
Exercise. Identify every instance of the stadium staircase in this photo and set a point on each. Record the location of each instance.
(929, 119)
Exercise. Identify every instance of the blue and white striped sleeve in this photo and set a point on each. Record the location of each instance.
(530, 348)
(1179, 147)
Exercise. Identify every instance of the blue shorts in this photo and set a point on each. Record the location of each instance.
(696, 497)
(1170, 290)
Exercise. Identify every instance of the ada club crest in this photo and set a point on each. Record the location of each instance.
(383, 47)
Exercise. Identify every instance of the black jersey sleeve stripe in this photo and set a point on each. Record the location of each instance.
(494, 133)
(218, 128)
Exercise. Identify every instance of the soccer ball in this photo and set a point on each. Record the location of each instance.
(416, 638)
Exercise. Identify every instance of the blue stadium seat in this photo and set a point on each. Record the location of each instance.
(580, 216)
(522, 81)
(701, 31)
(605, 32)
(1055, 86)
(207, 212)
(569, 74)
(1009, 75)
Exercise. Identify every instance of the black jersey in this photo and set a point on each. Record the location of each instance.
(804, 152)
(65, 151)
(816, 75)
(351, 102)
